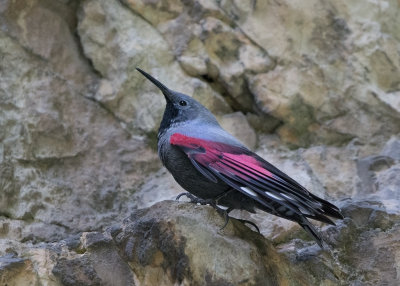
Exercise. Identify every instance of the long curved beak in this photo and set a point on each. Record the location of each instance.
(165, 90)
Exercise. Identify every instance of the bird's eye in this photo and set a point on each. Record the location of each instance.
(182, 103)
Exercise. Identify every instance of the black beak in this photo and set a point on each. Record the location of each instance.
(165, 90)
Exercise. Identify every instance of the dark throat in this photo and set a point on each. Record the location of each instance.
(169, 117)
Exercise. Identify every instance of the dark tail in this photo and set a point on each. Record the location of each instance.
(312, 231)
(328, 208)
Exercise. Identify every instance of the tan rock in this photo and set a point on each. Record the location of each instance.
(46, 30)
(17, 272)
(237, 125)
(117, 42)
(202, 35)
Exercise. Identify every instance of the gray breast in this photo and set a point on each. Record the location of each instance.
(186, 175)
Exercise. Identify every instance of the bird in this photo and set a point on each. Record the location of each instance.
(217, 169)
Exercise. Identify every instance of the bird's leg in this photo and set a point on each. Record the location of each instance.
(226, 216)
(225, 213)
(217, 198)
(211, 202)
(214, 204)
(189, 195)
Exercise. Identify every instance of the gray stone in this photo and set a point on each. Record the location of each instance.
(182, 243)
(77, 271)
(321, 67)
(185, 243)
(25, 21)
(237, 125)
(63, 155)
(15, 271)
(207, 44)
(392, 149)
(170, 243)
(117, 41)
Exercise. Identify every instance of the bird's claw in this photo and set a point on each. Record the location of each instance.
(188, 195)
(196, 200)
(226, 216)
(211, 202)
(244, 221)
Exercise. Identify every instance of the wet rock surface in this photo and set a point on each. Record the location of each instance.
(313, 87)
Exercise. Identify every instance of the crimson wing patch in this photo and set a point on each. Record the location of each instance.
(254, 177)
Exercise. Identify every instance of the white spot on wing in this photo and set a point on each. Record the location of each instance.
(249, 191)
(273, 196)
(288, 197)
(304, 211)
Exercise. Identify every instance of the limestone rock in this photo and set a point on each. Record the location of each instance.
(368, 226)
(117, 41)
(168, 244)
(207, 44)
(321, 74)
(63, 156)
(237, 125)
(180, 243)
(190, 249)
(317, 74)
(26, 22)
(157, 187)
(174, 243)
(16, 271)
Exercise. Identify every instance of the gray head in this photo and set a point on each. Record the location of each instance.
(180, 108)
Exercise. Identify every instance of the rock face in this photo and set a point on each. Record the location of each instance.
(313, 86)
(174, 243)
(189, 248)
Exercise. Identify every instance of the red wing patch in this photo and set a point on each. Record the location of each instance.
(216, 151)
(254, 177)
(251, 175)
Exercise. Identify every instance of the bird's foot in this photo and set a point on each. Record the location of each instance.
(244, 221)
(211, 202)
(203, 202)
(188, 195)
(196, 200)
(221, 211)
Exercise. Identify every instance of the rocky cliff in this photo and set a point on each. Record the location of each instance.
(312, 86)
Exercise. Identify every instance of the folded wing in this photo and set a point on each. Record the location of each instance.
(254, 177)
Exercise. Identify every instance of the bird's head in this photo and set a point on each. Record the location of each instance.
(181, 108)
